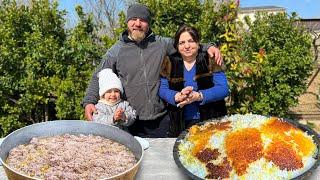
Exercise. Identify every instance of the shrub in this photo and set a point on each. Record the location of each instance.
(269, 65)
(44, 68)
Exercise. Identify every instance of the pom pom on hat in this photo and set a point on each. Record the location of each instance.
(108, 80)
(138, 11)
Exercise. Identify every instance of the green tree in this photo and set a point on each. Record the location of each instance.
(268, 64)
(168, 15)
(31, 40)
(82, 52)
(44, 69)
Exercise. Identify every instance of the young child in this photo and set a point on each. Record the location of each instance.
(111, 109)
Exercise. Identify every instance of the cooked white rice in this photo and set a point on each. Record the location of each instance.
(260, 169)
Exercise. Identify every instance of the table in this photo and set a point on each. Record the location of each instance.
(158, 163)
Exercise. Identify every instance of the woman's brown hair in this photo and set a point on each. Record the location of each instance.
(185, 28)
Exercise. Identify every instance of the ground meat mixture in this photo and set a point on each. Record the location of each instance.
(71, 157)
(208, 154)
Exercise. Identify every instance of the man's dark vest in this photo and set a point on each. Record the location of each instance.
(173, 71)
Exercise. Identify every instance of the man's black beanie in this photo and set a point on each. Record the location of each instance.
(138, 11)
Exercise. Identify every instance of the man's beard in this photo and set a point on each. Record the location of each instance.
(137, 35)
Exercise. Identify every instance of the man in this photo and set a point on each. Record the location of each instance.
(136, 58)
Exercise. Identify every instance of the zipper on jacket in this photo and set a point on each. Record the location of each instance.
(145, 73)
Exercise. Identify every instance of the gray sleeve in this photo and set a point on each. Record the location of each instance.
(102, 116)
(108, 61)
(168, 45)
(205, 46)
(129, 112)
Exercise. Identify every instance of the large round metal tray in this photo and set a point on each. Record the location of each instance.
(51, 128)
(315, 135)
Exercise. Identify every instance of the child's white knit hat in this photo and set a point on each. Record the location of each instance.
(108, 80)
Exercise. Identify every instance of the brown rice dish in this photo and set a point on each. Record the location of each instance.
(71, 157)
(247, 147)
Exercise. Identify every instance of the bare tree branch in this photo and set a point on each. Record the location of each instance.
(105, 14)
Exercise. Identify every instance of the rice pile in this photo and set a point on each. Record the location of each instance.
(72, 157)
(247, 147)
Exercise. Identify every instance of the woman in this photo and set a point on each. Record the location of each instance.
(193, 87)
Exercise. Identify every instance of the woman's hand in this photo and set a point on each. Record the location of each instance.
(187, 90)
(192, 97)
(180, 97)
(183, 94)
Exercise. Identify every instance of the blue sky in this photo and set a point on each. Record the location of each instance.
(304, 8)
(69, 4)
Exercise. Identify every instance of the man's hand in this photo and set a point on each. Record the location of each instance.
(215, 52)
(89, 110)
